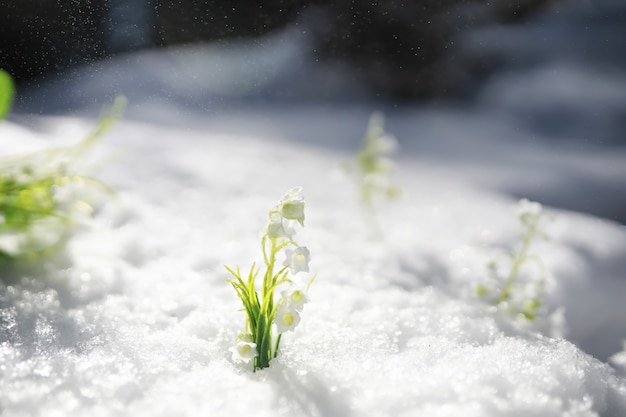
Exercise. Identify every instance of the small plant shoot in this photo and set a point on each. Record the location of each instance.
(41, 199)
(373, 165)
(505, 288)
(275, 307)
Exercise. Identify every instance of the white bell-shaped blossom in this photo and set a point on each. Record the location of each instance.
(295, 297)
(297, 259)
(274, 228)
(528, 208)
(277, 227)
(244, 351)
(292, 205)
(286, 318)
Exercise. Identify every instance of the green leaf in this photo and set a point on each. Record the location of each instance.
(7, 91)
(260, 341)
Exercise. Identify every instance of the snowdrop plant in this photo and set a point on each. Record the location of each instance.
(506, 289)
(270, 313)
(39, 202)
(373, 165)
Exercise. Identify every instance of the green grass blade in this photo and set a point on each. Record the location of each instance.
(7, 91)
(105, 122)
(48, 161)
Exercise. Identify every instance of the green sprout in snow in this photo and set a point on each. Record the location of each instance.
(506, 289)
(265, 312)
(373, 165)
(40, 199)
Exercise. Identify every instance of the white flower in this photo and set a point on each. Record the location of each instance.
(288, 229)
(295, 297)
(277, 227)
(244, 350)
(528, 208)
(297, 259)
(274, 228)
(292, 205)
(286, 319)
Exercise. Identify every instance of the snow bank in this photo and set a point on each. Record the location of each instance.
(135, 316)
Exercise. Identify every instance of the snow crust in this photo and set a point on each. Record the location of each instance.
(135, 316)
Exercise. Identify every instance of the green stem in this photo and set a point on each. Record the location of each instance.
(268, 292)
(263, 343)
(277, 344)
(263, 334)
(518, 261)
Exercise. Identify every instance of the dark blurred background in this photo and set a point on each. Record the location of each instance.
(399, 49)
(528, 96)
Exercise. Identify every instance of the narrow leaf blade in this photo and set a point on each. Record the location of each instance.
(7, 91)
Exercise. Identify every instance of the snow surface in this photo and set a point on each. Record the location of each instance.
(135, 317)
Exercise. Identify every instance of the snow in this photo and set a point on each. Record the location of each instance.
(135, 317)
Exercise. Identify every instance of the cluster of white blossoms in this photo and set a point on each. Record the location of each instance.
(283, 217)
(290, 305)
(263, 310)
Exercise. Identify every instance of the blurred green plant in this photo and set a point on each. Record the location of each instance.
(264, 311)
(7, 91)
(506, 290)
(372, 165)
(41, 199)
